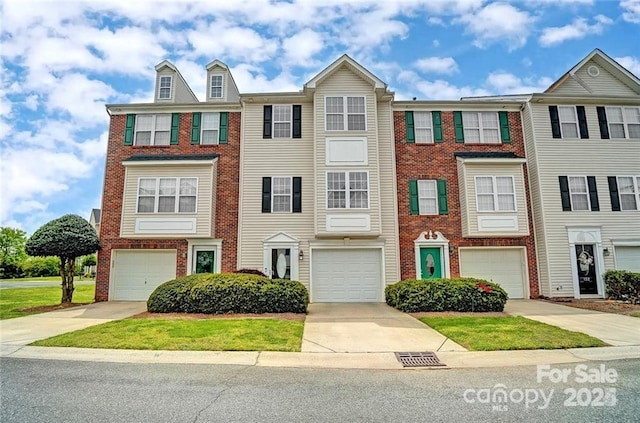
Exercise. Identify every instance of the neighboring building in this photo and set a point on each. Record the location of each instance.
(462, 193)
(94, 220)
(170, 195)
(317, 193)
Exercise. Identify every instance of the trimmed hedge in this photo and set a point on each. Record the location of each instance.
(228, 293)
(622, 285)
(460, 294)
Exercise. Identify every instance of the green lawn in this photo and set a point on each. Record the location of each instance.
(43, 279)
(634, 314)
(196, 335)
(14, 300)
(508, 333)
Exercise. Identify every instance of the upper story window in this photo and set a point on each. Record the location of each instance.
(579, 193)
(210, 128)
(281, 194)
(345, 113)
(153, 129)
(347, 190)
(628, 189)
(167, 195)
(281, 121)
(495, 194)
(568, 121)
(216, 86)
(624, 122)
(423, 127)
(427, 197)
(481, 127)
(164, 90)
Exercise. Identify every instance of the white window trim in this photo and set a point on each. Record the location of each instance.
(636, 188)
(157, 195)
(420, 211)
(624, 123)
(152, 141)
(160, 87)
(273, 120)
(481, 129)
(202, 128)
(347, 191)
(586, 184)
(273, 195)
(221, 85)
(496, 203)
(416, 127)
(345, 113)
(560, 122)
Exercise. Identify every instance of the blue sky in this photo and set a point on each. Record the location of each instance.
(62, 61)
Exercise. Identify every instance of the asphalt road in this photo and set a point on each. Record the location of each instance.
(56, 391)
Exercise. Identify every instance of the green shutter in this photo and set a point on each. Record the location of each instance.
(457, 123)
(408, 121)
(504, 128)
(437, 126)
(414, 207)
(443, 208)
(129, 129)
(224, 127)
(195, 127)
(175, 128)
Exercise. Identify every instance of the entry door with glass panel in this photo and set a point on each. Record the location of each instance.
(430, 263)
(204, 261)
(281, 263)
(586, 268)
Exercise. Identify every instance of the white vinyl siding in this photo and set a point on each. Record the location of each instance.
(568, 121)
(579, 193)
(428, 197)
(216, 86)
(423, 127)
(629, 192)
(481, 127)
(164, 91)
(153, 129)
(282, 116)
(347, 190)
(167, 195)
(281, 194)
(495, 193)
(624, 122)
(345, 113)
(210, 128)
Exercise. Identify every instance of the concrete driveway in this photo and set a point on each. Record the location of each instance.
(368, 327)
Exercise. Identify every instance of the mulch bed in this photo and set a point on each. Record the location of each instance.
(202, 316)
(606, 306)
(44, 309)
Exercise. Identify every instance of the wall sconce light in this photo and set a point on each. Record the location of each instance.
(606, 252)
(452, 248)
(301, 255)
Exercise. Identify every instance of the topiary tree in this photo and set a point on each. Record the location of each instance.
(67, 237)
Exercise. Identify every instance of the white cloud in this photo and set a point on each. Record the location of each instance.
(631, 63)
(434, 20)
(580, 28)
(498, 23)
(631, 10)
(82, 98)
(446, 65)
(300, 48)
(507, 83)
(436, 89)
(251, 79)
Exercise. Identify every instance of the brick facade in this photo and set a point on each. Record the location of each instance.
(437, 161)
(226, 218)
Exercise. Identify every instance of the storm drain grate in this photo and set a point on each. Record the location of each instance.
(418, 359)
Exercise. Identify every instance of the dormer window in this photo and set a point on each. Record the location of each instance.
(216, 86)
(164, 90)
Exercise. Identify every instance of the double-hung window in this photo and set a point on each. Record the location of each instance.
(281, 121)
(428, 197)
(629, 191)
(579, 193)
(216, 86)
(481, 127)
(347, 190)
(624, 122)
(153, 129)
(423, 127)
(345, 113)
(164, 90)
(495, 194)
(281, 194)
(167, 195)
(210, 128)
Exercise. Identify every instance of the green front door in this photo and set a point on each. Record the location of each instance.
(430, 263)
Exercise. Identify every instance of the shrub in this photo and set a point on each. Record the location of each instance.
(229, 293)
(41, 266)
(461, 294)
(251, 272)
(622, 285)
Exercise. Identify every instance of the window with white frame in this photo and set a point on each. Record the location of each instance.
(216, 86)
(629, 192)
(624, 122)
(347, 190)
(164, 90)
(495, 194)
(579, 193)
(481, 127)
(282, 121)
(281, 194)
(167, 195)
(422, 127)
(210, 127)
(345, 113)
(568, 121)
(428, 197)
(153, 129)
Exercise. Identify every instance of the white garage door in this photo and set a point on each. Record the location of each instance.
(346, 276)
(136, 273)
(502, 266)
(628, 258)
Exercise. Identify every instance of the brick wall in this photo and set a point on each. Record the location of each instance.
(226, 218)
(437, 161)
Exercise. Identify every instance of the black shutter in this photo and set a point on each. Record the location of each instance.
(613, 192)
(593, 193)
(266, 195)
(266, 127)
(602, 122)
(564, 193)
(555, 122)
(582, 122)
(297, 194)
(297, 121)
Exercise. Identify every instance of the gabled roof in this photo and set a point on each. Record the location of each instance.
(217, 63)
(607, 63)
(354, 66)
(96, 215)
(167, 64)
